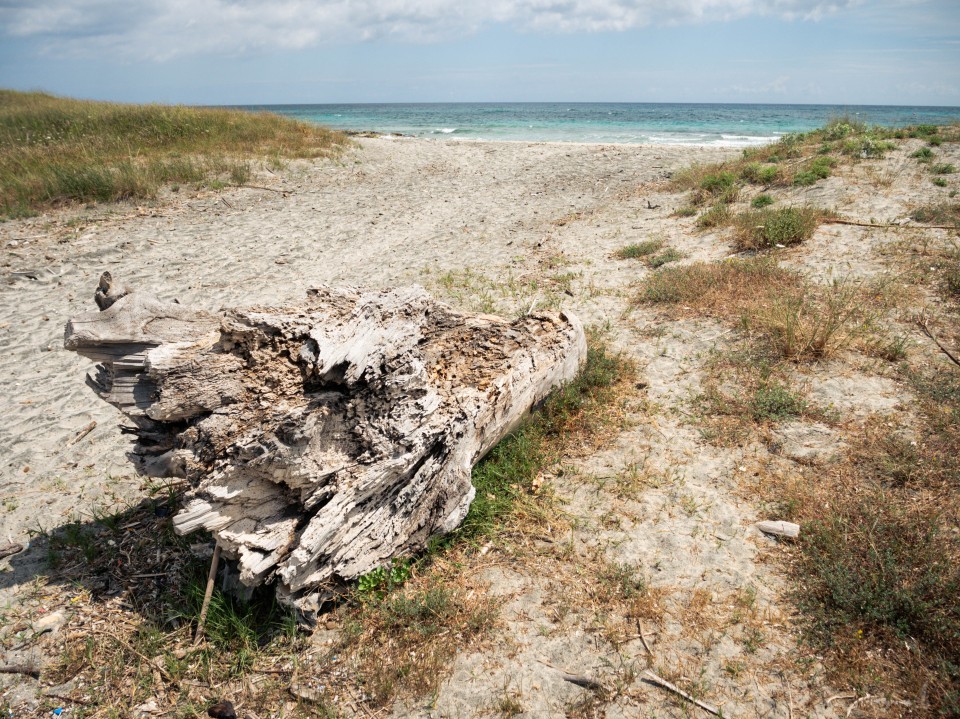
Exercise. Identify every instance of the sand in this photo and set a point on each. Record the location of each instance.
(493, 226)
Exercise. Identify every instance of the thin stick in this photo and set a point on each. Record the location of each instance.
(888, 227)
(922, 322)
(664, 684)
(578, 679)
(20, 669)
(83, 433)
(208, 594)
(268, 189)
(642, 638)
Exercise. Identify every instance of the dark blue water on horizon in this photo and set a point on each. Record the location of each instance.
(655, 123)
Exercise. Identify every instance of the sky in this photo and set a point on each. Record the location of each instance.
(223, 52)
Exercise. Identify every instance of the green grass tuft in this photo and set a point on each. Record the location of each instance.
(638, 250)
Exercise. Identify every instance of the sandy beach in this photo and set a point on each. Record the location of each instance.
(498, 227)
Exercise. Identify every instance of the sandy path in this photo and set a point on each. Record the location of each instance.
(390, 212)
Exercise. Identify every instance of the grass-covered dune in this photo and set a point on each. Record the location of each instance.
(56, 150)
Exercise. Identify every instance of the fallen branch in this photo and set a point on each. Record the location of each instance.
(857, 223)
(24, 669)
(578, 679)
(87, 429)
(922, 322)
(664, 684)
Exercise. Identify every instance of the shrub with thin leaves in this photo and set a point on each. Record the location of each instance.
(767, 228)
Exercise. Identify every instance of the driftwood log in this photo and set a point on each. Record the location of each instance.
(324, 437)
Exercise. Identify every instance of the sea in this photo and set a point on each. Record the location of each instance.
(737, 125)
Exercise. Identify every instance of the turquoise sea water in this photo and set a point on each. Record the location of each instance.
(656, 123)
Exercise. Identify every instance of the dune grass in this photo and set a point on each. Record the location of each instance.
(57, 150)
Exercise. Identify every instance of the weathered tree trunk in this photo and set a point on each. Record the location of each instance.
(323, 437)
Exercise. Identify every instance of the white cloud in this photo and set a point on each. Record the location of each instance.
(163, 29)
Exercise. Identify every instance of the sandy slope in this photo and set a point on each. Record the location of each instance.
(494, 225)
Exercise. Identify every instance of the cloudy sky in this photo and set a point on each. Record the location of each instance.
(903, 52)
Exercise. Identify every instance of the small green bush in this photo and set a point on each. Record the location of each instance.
(719, 183)
(767, 228)
(924, 154)
(943, 168)
(939, 182)
(686, 211)
(761, 201)
(775, 402)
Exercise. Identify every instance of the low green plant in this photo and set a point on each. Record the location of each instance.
(758, 174)
(718, 183)
(686, 211)
(761, 201)
(382, 580)
(669, 255)
(944, 213)
(939, 182)
(639, 249)
(819, 169)
(882, 567)
(775, 402)
(924, 154)
(943, 168)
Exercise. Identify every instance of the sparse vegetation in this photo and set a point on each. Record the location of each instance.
(761, 201)
(943, 168)
(941, 214)
(665, 257)
(717, 216)
(56, 150)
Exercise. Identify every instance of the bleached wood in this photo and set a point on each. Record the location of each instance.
(780, 528)
(327, 436)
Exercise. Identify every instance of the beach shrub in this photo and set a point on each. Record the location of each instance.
(767, 228)
(761, 201)
(840, 127)
(924, 154)
(758, 174)
(939, 182)
(943, 168)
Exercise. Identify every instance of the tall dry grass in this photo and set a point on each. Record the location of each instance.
(57, 150)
